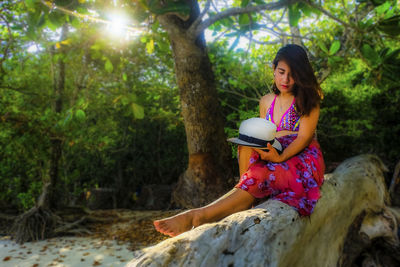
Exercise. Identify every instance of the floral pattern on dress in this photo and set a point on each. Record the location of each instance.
(295, 182)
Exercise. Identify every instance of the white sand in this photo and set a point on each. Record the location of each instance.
(65, 252)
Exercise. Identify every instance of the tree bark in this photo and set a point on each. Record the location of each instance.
(210, 170)
(56, 143)
(351, 216)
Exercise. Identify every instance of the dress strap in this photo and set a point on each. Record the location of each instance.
(273, 103)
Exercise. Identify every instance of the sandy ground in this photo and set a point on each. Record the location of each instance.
(64, 251)
(110, 244)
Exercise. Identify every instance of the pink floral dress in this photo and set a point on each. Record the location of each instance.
(296, 181)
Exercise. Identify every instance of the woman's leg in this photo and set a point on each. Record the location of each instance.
(234, 201)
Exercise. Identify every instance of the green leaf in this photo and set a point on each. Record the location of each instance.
(163, 45)
(383, 8)
(143, 39)
(80, 115)
(138, 111)
(179, 7)
(74, 21)
(30, 3)
(155, 26)
(335, 46)
(227, 22)
(31, 32)
(294, 15)
(244, 20)
(124, 100)
(244, 3)
(124, 77)
(322, 46)
(108, 66)
(306, 9)
(390, 26)
(150, 46)
(57, 19)
(370, 54)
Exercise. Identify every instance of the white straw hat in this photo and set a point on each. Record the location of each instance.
(257, 132)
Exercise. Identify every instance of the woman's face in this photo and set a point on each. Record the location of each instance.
(283, 77)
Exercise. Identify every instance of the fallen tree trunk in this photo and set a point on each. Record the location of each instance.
(350, 216)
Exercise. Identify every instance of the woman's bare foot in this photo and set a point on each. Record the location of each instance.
(178, 224)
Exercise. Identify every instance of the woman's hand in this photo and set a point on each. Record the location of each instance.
(272, 155)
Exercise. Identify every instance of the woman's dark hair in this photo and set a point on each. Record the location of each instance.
(306, 88)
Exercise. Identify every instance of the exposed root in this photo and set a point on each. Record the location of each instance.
(7, 217)
(65, 228)
(36, 224)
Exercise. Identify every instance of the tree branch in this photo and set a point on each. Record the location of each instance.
(200, 17)
(262, 42)
(19, 90)
(328, 14)
(236, 11)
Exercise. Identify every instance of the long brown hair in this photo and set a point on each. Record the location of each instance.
(306, 89)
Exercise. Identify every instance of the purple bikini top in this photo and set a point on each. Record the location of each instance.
(290, 120)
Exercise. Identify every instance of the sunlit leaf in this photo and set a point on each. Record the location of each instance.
(108, 66)
(30, 3)
(383, 8)
(322, 46)
(66, 42)
(150, 46)
(294, 15)
(116, 99)
(80, 115)
(335, 46)
(138, 111)
(244, 19)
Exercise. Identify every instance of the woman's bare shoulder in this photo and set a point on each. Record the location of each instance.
(266, 100)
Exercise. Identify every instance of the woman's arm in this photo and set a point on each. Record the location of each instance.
(308, 124)
(285, 132)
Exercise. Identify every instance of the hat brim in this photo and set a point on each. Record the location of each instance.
(237, 141)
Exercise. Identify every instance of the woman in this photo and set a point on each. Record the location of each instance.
(294, 176)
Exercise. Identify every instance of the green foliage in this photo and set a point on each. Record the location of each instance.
(120, 124)
(179, 7)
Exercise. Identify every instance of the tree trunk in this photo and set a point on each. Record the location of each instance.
(56, 143)
(351, 217)
(209, 173)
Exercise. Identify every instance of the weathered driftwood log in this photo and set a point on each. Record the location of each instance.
(351, 213)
